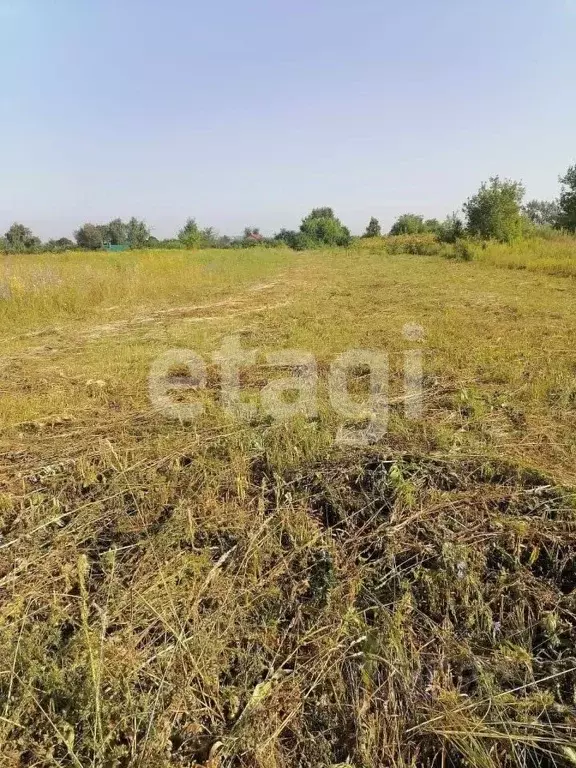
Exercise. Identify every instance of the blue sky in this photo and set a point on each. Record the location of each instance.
(250, 113)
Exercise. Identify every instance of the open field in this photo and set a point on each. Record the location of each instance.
(224, 593)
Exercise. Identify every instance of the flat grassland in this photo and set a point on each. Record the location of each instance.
(223, 593)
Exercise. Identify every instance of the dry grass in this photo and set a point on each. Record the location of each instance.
(552, 254)
(228, 594)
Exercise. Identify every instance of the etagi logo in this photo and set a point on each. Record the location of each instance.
(284, 398)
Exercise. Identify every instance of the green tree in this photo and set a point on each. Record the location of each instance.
(567, 214)
(62, 244)
(495, 212)
(20, 238)
(190, 234)
(209, 237)
(222, 241)
(137, 233)
(373, 229)
(90, 236)
(116, 232)
(542, 213)
(414, 224)
(408, 224)
(451, 229)
(432, 226)
(321, 213)
(321, 227)
(287, 236)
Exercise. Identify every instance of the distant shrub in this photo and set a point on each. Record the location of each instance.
(319, 229)
(60, 245)
(542, 213)
(171, 245)
(429, 245)
(451, 229)
(414, 224)
(546, 232)
(299, 241)
(305, 242)
(408, 224)
(246, 242)
(418, 245)
(463, 251)
(286, 237)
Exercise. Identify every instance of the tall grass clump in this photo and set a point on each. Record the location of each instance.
(553, 254)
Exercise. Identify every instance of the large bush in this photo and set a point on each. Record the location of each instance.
(322, 227)
(451, 229)
(59, 245)
(408, 224)
(495, 211)
(319, 228)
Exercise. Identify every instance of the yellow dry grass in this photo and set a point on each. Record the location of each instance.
(222, 593)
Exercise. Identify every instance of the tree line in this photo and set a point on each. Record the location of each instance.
(497, 211)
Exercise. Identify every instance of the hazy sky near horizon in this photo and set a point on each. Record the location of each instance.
(251, 113)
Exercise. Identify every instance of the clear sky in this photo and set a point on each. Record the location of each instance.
(252, 112)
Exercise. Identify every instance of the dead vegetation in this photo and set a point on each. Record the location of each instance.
(369, 610)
